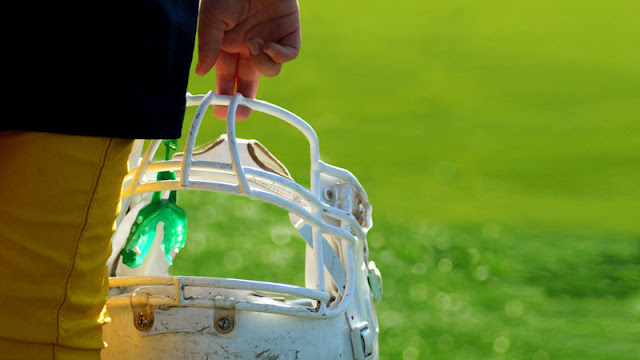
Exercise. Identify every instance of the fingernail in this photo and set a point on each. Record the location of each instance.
(254, 47)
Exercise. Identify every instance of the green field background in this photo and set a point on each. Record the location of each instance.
(499, 142)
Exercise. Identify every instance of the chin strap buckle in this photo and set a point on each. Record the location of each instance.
(362, 342)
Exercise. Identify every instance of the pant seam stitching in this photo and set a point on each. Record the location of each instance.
(78, 239)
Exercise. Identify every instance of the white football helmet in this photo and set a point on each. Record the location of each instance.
(157, 316)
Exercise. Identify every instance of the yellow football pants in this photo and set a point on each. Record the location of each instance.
(59, 196)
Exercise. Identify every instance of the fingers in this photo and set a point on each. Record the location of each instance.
(280, 53)
(248, 78)
(247, 84)
(239, 73)
(235, 73)
(210, 34)
(262, 62)
(226, 68)
(286, 49)
(268, 57)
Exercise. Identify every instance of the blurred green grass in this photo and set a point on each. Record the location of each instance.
(499, 143)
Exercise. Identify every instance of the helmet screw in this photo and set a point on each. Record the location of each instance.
(329, 194)
(224, 324)
(143, 322)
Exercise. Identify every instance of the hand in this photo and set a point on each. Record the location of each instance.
(244, 39)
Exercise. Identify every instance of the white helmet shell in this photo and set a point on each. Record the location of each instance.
(157, 316)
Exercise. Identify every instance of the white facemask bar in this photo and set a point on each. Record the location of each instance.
(350, 232)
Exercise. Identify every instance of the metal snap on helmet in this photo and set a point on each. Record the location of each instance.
(157, 316)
